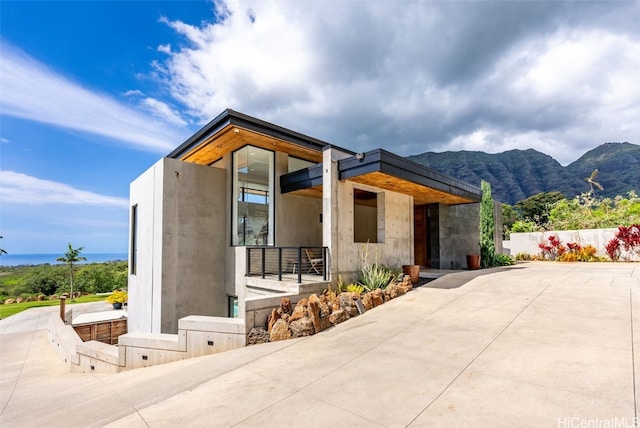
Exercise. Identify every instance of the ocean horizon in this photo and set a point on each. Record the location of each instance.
(40, 259)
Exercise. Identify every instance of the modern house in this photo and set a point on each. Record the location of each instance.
(246, 211)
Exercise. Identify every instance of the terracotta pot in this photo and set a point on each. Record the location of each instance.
(473, 261)
(413, 271)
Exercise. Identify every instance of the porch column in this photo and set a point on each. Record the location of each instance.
(330, 208)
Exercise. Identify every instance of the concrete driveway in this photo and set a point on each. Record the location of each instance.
(538, 344)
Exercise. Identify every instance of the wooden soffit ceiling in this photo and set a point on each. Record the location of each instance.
(232, 137)
(421, 194)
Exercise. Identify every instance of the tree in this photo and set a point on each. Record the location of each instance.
(70, 257)
(487, 227)
(536, 208)
(509, 217)
(2, 251)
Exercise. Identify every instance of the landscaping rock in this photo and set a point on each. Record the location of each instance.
(285, 306)
(338, 316)
(42, 297)
(302, 327)
(325, 311)
(53, 297)
(19, 300)
(280, 331)
(394, 290)
(300, 310)
(377, 297)
(257, 335)
(406, 284)
(273, 317)
(367, 301)
(9, 301)
(348, 303)
(313, 309)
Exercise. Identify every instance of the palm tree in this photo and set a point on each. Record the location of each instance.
(592, 181)
(70, 257)
(2, 251)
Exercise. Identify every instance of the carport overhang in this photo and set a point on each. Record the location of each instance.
(384, 170)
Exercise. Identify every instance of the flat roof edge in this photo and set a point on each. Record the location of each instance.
(380, 160)
(232, 117)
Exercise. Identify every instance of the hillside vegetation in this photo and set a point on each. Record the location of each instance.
(47, 279)
(518, 174)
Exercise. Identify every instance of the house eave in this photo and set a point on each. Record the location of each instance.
(387, 170)
(233, 119)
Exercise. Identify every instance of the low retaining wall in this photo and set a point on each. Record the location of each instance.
(197, 336)
(528, 242)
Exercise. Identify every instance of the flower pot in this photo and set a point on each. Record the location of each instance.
(473, 261)
(413, 271)
(117, 305)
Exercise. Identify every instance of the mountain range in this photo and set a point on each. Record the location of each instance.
(518, 174)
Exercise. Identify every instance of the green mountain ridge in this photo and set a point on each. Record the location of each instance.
(518, 174)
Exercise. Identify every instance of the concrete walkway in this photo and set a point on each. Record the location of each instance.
(538, 344)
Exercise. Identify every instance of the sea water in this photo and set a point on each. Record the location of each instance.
(39, 259)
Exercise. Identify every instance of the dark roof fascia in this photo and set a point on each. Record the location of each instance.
(380, 160)
(232, 117)
(301, 179)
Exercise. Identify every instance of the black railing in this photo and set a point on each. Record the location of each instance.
(279, 261)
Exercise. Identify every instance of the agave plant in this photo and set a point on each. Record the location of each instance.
(373, 275)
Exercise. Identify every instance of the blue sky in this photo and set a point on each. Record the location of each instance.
(93, 93)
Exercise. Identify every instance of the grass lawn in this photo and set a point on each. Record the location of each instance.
(8, 310)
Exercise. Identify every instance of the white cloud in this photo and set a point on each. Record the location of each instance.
(18, 188)
(133, 93)
(31, 91)
(165, 48)
(4, 140)
(163, 111)
(491, 76)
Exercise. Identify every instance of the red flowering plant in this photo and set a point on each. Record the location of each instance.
(551, 250)
(625, 243)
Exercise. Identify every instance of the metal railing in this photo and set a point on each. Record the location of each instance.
(266, 261)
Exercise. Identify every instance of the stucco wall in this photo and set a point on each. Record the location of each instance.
(181, 245)
(193, 242)
(298, 221)
(528, 242)
(144, 287)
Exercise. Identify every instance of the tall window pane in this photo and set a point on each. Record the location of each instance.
(252, 196)
(133, 264)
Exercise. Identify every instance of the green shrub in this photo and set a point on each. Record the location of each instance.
(487, 227)
(503, 260)
(522, 226)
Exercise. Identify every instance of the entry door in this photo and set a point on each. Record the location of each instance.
(421, 236)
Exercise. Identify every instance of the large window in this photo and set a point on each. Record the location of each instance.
(133, 265)
(365, 216)
(253, 196)
(296, 164)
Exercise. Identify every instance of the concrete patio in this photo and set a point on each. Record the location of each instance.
(537, 344)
